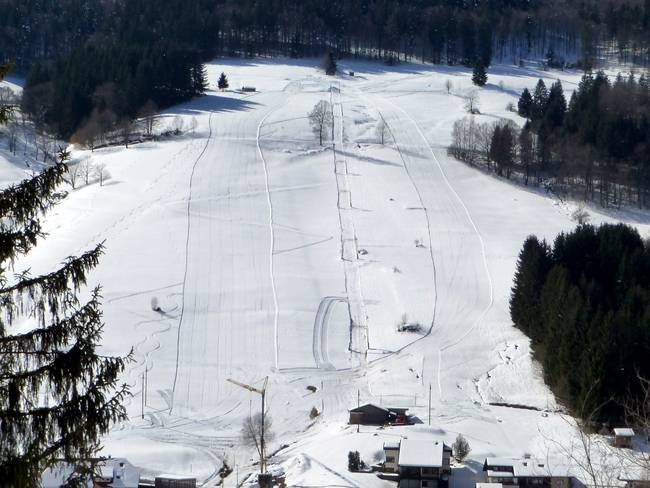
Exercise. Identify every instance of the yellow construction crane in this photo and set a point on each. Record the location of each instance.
(262, 392)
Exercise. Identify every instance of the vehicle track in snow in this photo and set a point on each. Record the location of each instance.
(321, 329)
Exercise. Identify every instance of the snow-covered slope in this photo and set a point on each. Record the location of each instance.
(261, 248)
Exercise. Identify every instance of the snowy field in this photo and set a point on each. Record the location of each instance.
(261, 248)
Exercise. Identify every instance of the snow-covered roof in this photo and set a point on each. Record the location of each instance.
(391, 445)
(499, 474)
(122, 473)
(369, 405)
(496, 461)
(56, 476)
(528, 467)
(624, 432)
(531, 468)
(420, 453)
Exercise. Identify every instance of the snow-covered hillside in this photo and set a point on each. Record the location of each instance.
(261, 247)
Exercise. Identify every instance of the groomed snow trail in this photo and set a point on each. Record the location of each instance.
(229, 299)
(463, 283)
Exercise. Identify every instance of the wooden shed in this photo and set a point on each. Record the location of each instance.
(370, 414)
(623, 437)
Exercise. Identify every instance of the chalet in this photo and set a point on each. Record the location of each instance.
(111, 473)
(636, 481)
(370, 414)
(527, 473)
(117, 473)
(58, 475)
(423, 464)
(391, 454)
(623, 437)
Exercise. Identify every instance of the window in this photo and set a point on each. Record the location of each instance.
(390, 459)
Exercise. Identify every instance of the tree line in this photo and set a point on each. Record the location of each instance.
(141, 56)
(596, 147)
(106, 60)
(585, 304)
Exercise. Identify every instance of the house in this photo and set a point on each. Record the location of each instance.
(370, 414)
(170, 481)
(391, 454)
(635, 477)
(117, 473)
(527, 473)
(58, 475)
(623, 437)
(111, 473)
(423, 464)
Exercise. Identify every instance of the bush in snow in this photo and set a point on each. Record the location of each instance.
(460, 448)
(581, 216)
(354, 461)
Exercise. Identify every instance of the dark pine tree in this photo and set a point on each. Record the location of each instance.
(223, 82)
(585, 305)
(58, 394)
(540, 99)
(525, 104)
(479, 75)
(329, 64)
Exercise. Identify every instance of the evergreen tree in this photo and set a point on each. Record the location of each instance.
(526, 153)
(584, 304)
(58, 395)
(479, 75)
(223, 82)
(540, 99)
(525, 104)
(556, 107)
(329, 64)
(5, 111)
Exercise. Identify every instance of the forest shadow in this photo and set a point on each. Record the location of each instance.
(212, 102)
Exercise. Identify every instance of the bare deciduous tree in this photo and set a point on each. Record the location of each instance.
(86, 169)
(382, 130)
(148, 116)
(101, 173)
(471, 101)
(321, 119)
(125, 128)
(73, 175)
(252, 431)
(177, 125)
(193, 125)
